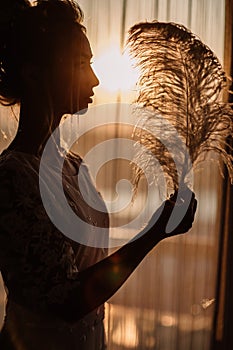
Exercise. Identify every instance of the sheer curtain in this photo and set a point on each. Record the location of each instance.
(168, 303)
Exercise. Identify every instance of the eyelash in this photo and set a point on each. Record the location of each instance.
(86, 63)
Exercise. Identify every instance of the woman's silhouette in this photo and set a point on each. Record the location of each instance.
(55, 287)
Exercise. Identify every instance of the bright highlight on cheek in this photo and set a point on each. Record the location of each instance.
(115, 71)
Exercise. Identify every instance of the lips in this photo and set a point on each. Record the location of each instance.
(89, 99)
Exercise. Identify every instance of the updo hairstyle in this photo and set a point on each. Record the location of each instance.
(29, 34)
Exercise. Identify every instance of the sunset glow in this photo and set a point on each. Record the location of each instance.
(115, 71)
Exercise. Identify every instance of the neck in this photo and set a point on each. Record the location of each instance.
(34, 128)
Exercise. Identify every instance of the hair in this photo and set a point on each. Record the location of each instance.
(30, 33)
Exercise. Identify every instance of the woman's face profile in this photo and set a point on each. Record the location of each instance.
(86, 78)
(73, 77)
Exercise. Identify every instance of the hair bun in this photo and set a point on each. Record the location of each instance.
(26, 33)
(9, 9)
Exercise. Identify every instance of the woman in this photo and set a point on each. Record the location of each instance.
(56, 287)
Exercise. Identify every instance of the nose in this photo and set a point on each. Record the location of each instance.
(95, 80)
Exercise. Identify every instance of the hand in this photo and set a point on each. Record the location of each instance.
(176, 215)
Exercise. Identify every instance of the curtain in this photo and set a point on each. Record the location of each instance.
(168, 303)
(222, 333)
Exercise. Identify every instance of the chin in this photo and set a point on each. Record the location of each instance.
(82, 111)
(83, 108)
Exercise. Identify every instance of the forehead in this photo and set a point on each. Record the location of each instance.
(81, 44)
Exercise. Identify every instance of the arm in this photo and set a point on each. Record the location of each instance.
(30, 254)
(100, 281)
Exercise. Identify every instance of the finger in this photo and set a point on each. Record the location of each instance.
(187, 195)
(194, 206)
(192, 210)
(173, 196)
(183, 195)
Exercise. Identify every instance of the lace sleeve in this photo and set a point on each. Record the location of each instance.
(37, 261)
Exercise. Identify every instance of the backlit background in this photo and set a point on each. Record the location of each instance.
(168, 303)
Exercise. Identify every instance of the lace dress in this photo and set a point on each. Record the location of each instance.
(39, 264)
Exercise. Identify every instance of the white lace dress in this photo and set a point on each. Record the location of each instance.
(40, 265)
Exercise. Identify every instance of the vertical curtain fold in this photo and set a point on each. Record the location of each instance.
(222, 333)
(168, 303)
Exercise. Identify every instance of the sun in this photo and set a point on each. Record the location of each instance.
(115, 71)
